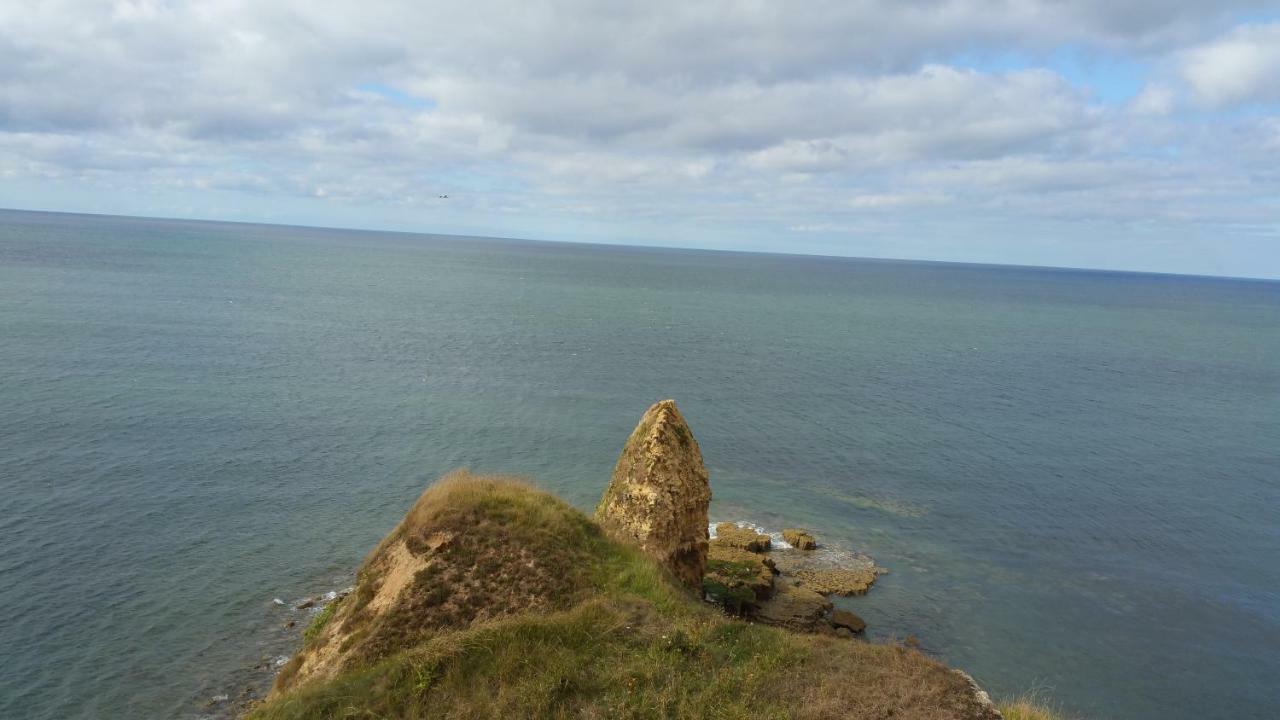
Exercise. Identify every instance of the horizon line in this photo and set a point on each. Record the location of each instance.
(678, 248)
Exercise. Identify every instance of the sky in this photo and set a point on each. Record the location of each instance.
(1141, 135)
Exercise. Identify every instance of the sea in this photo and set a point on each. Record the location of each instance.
(1072, 477)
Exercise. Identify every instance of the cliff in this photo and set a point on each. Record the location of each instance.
(493, 599)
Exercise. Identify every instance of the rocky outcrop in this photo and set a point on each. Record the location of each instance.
(795, 608)
(659, 494)
(985, 709)
(744, 538)
(787, 587)
(737, 579)
(799, 539)
(837, 581)
(828, 571)
(847, 620)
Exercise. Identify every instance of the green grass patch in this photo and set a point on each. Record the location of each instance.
(733, 599)
(604, 659)
(322, 618)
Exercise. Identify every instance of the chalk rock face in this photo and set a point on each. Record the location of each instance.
(659, 494)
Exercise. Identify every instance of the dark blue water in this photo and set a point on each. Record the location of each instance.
(1073, 477)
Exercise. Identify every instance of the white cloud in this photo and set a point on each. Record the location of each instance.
(1154, 99)
(1240, 67)
(878, 201)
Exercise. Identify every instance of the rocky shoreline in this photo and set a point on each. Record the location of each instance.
(659, 498)
(789, 585)
(283, 627)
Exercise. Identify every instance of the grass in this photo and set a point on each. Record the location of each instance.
(1029, 707)
(317, 625)
(729, 583)
(735, 599)
(581, 626)
(608, 658)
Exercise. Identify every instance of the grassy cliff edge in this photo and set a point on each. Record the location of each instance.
(520, 606)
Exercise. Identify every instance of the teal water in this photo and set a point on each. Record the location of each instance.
(1073, 477)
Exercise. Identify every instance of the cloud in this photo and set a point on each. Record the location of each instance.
(1241, 67)
(722, 119)
(896, 200)
(1154, 99)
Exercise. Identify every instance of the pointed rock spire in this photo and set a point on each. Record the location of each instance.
(659, 494)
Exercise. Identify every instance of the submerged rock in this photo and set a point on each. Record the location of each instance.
(828, 571)
(659, 494)
(836, 581)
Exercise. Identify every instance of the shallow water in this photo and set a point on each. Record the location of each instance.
(1073, 477)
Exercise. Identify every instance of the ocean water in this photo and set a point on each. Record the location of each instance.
(1073, 477)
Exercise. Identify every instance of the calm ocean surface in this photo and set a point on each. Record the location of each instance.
(1073, 477)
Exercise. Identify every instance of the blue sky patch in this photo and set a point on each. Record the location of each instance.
(1107, 78)
(399, 97)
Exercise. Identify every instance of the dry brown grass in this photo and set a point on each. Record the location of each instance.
(854, 679)
(1030, 707)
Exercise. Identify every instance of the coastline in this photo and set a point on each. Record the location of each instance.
(284, 623)
(492, 557)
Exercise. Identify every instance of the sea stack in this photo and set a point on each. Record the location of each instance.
(659, 494)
